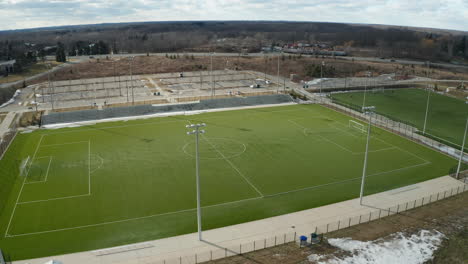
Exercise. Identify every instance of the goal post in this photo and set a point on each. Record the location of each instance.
(358, 126)
(23, 166)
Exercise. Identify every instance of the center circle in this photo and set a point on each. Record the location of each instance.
(215, 148)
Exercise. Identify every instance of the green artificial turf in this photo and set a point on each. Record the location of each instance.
(115, 183)
(446, 116)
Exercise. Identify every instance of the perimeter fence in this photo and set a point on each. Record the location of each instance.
(374, 213)
(401, 128)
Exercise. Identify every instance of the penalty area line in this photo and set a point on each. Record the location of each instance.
(132, 219)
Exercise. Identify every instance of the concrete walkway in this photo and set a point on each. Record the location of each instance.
(182, 249)
(5, 124)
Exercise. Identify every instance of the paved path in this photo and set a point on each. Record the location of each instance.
(5, 125)
(301, 223)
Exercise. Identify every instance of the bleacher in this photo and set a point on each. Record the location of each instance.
(141, 110)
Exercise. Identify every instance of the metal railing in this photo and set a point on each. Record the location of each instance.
(280, 239)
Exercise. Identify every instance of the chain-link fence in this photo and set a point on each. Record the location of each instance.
(377, 213)
(399, 127)
(7, 138)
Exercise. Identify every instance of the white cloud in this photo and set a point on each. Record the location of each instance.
(451, 14)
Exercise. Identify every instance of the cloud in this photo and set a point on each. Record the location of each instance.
(451, 14)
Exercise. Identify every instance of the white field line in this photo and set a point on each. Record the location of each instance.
(324, 138)
(233, 166)
(71, 196)
(408, 139)
(47, 172)
(21, 190)
(11, 141)
(347, 180)
(61, 144)
(53, 199)
(132, 219)
(100, 165)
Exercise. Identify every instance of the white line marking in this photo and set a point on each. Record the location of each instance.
(131, 219)
(100, 165)
(47, 172)
(71, 196)
(53, 199)
(233, 166)
(21, 190)
(61, 144)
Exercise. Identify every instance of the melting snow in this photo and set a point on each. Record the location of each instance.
(397, 248)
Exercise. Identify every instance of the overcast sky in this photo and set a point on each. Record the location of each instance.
(448, 14)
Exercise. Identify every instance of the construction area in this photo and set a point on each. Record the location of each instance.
(151, 89)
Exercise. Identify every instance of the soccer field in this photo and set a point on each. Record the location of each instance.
(115, 183)
(446, 116)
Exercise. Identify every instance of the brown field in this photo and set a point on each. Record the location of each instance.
(288, 65)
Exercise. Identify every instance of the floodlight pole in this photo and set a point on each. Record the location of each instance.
(131, 78)
(321, 77)
(196, 131)
(462, 150)
(212, 76)
(367, 110)
(278, 73)
(427, 103)
(365, 90)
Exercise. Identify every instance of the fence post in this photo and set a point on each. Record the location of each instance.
(370, 215)
(406, 207)
(451, 192)
(339, 222)
(180, 260)
(254, 245)
(225, 252)
(327, 229)
(380, 212)
(275, 240)
(264, 243)
(360, 219)
(444, 194)
(284, 241)
(196, 258)
(398, 209)
(349, 222)
(240, 249)
(423, 201)
(414, 205)
(211, 255)
(294, 236)
(430, 198)
(437, 199)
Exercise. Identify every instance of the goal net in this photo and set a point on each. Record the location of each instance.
(378, 90)
(356, 125)
(23, 166)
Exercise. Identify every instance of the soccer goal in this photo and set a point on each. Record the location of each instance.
(23, 166)
(358, 126)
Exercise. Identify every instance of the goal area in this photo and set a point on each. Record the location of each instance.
(358, 126)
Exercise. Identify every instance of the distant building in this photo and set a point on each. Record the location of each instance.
(7, 66)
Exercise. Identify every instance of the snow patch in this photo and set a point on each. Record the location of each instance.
(17, 92)
(397, 248)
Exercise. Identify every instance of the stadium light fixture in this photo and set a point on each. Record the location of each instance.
(196, 131)
(368, 110)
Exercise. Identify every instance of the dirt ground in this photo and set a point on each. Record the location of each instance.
(289, 64)
(449, 216)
